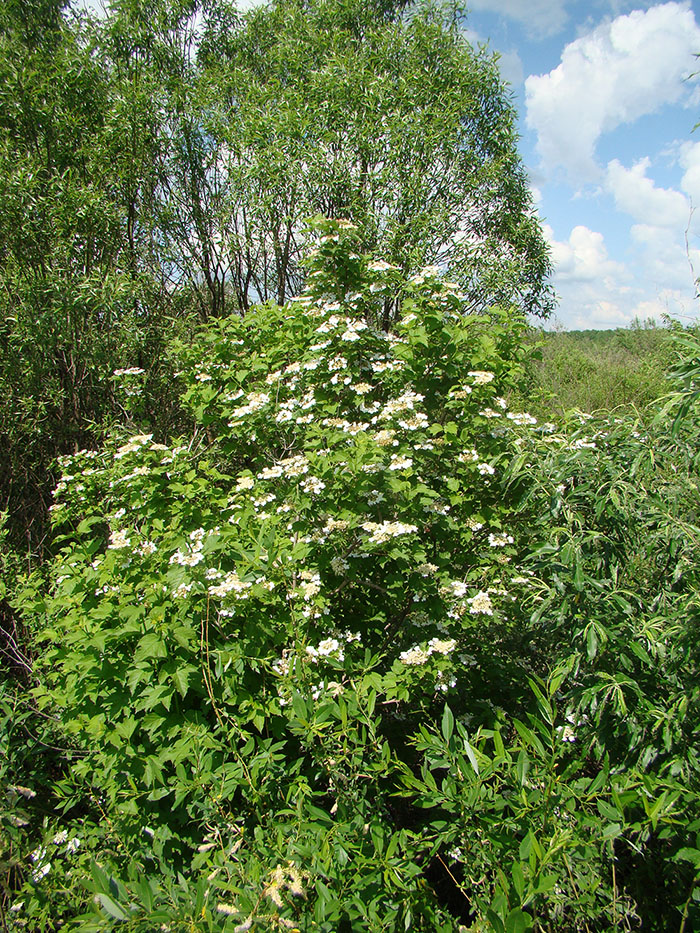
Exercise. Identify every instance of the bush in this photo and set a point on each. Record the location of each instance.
(366, 652)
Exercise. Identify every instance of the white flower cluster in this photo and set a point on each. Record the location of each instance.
(193, 555)
(400, 463)
(255, 402)
(481, 377)
(310, 585)
(379, 265)
(480, 604)
(231, 584)
(415, 422)
(384, 531)
(405, 402)
(118, 540)
(328, 648)
(135, 443)
(326, 686)
(442, 684)
(386, 366)
(290, 467)
(419, 655)
(500, 540)
(386, 438)
(521, 418)
(132, 371)
(313, 485)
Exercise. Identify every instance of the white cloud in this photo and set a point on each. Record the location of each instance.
(666, 261)
(511, 67)
(615, 74)
(638, 196)
(596, 291)
(690, 162)
(583, 258)
(539, 17)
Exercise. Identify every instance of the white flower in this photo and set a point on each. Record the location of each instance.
(500, 540)
(231, 583)
(400, 463)
(295, 466)
(480, 377)
(426, 570)
(486, 469)
(441, 646)
(481, 603)
(118, 540)
(386, 530)
(405, 402)
(245, 482)
(416, 421)
(339, 565)
(386, 438)
(378, 265)
(313, 485)
(187, 558)
(521, 418)
(415, 655)
(270, 472)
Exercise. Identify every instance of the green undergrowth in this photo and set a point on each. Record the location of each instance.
(598, 371)
(370, 648)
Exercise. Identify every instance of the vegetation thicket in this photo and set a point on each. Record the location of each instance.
(598, 370)
(157, 167)
(328, 632)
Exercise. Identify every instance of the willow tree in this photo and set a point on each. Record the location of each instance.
(382, 113)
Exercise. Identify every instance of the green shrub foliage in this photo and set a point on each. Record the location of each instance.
(370, 651)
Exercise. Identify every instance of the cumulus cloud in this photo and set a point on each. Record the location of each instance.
(615, 74)
(583, 257)
(666, 259)
(638, 196)
(596, 291)
(539, 17)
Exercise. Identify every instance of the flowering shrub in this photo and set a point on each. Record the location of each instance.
(298, 652)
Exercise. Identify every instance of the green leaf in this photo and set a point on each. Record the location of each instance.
(181, 678)
(111, 906)
(448, 723)
(522, 766)
(471, 756)
(150, 646)
(688, 855)
(518, 921)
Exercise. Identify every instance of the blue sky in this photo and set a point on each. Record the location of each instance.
(607, 106)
